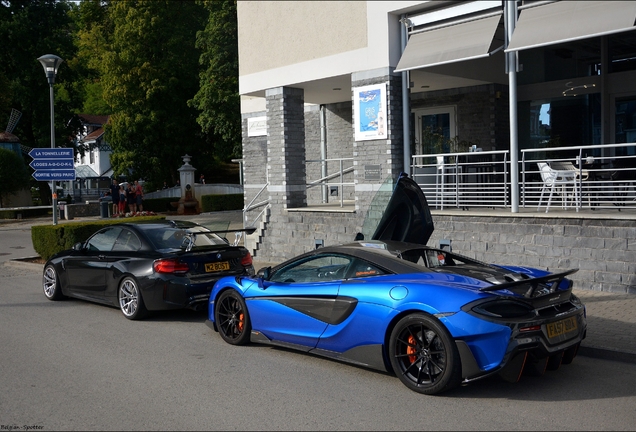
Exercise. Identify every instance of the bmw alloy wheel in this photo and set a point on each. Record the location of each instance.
(130, 301)
(51, 283)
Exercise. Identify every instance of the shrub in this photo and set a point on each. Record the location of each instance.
(221, 202)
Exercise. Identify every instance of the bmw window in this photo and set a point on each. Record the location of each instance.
(104, 240)
(127, 241)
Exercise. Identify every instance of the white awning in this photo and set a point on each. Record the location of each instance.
(566, 21)
(465, 41)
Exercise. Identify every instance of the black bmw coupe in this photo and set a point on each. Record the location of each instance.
(141, 267)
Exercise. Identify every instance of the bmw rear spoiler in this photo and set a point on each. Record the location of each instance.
(547, 286)
(189, 238)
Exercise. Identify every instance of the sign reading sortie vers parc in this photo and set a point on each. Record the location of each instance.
(54, 164)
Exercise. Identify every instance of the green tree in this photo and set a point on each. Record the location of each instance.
(218, 97)
(93, 32)
(149, 72)
(26, 82)
(13, 174)
(28, 30)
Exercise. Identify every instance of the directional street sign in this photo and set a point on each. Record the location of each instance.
(55, 164)
(57, 175)
(54, 153)
(52, 164)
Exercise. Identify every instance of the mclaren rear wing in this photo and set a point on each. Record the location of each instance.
(541, 291)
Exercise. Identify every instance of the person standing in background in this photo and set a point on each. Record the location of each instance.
(122, 199)
(114, 193)
(130, 197)
(139, 196)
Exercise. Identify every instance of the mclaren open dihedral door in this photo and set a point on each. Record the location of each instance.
(407, 217)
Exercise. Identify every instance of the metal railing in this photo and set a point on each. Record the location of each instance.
(587, 178)
(251, 206)
(604, 176)
(464, 180)
(325, 182)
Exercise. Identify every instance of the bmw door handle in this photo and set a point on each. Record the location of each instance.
(101, 257)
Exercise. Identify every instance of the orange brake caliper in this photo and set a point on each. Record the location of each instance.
(240, 323)
(411, 350)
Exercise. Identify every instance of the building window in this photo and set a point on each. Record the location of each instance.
(561, 121)
(435, 129)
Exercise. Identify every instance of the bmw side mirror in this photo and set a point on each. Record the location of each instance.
(78, 246)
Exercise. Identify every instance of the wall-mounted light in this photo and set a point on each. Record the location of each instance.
(571, 90)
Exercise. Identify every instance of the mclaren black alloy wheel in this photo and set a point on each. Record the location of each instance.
(232, 319)
(424, 355)
(130, 301)
(51, 283)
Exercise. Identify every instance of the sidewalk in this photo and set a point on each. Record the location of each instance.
(611, 317)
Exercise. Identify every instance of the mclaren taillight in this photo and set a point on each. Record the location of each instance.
(504, 309)
(246, 260)
(170, 266)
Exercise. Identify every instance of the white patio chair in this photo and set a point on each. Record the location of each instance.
(553, 178)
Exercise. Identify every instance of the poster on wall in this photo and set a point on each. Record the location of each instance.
(370, 112)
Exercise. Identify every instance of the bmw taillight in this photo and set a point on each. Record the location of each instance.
(246, 260)
(170, 266)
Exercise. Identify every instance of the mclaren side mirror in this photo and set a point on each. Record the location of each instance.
(263, 275)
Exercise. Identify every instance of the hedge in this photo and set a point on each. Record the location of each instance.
(221, 202)
(50, 239)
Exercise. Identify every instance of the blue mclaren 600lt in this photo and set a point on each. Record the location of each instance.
(435, 318)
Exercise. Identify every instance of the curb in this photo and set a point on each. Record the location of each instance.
(607, 354)
(24, 264)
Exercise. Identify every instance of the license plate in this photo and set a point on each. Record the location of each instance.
(215, 267)
(562, 327)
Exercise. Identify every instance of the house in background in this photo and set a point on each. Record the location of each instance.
(93, 170)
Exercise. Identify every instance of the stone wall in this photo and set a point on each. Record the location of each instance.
(72, 211)
(604, 250)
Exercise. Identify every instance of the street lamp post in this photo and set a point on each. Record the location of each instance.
(51, 64)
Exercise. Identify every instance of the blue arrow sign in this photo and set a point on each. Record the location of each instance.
(53, 153)
(54, 175)
(52, 164)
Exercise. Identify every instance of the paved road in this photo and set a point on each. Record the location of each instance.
(73, 365)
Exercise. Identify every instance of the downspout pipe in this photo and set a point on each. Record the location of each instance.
(406, 110)
(510, 21)
(323, 153)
